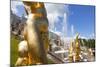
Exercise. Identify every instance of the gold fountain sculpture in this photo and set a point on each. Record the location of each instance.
(35, 35)
(74, 51)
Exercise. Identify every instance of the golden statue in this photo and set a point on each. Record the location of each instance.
(74, 50)
(77, 49)
(35, 35)
(70, 56)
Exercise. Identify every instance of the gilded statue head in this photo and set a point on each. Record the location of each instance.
(32, 7)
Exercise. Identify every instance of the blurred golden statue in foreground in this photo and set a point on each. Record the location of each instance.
(34, 48)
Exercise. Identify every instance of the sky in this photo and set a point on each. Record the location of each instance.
(66, 19)
(82, 20)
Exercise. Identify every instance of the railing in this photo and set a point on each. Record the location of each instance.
(55, 58)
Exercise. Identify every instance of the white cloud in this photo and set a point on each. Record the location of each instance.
(52, 19)
(53, 12)
(83, 37)
(92, 36)
(14, 5)
(55, 8)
